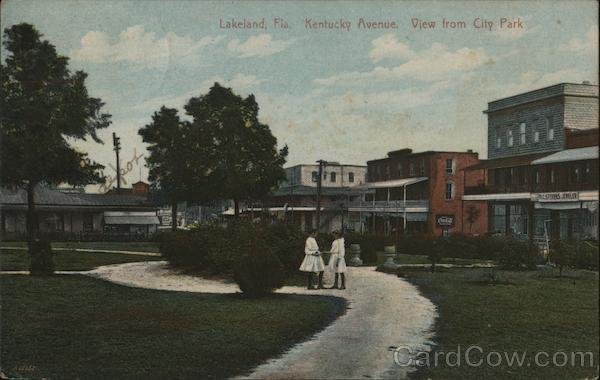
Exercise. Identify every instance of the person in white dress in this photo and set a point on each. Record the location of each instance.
(337, 262)
(313, 262)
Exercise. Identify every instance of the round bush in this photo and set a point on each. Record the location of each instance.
(259, 274)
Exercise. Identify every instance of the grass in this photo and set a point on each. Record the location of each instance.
(71, 326)
(516, 311)
(143, 246)
(13, 259)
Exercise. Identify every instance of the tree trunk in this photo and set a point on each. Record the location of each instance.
(174, 216)
(32, 222)
(236, 208)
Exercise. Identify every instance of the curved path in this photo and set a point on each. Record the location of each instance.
(384, 311)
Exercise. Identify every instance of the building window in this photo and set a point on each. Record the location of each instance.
(315, 176)
(333, 176)
(387, 171)
(422, 168)
(411, 169)
(523, 133)
(399, 169)
(587, 171)
(88, 222)
(449, 166)
(350, 177)
(449, 190)
(536, 176)
(509, 137)
(549, 129)
(446, 232)
(552, 178)
(499, 218)
(575, 174)
(536, 136)
(498, 142)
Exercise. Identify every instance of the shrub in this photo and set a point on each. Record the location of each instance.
(186, 248)
(259, 274)
(287, 243)
(586, 256)
(41, 258)
(518, 255)
(369, 246)
(488, 247)
(562, 254)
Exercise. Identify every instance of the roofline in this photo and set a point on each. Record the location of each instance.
(316, 164)
(429, 152)
(543, 98)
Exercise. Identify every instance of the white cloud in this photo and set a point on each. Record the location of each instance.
(240, 83)
(429, 65)
(388, 46)
(136, 45)
(589, 44)
(258, 46)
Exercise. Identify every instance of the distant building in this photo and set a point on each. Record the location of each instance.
(78, 216)
(296, 198)
(139, 188)
(541, 181)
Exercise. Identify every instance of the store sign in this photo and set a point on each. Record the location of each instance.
(444, 221)
(565, 196)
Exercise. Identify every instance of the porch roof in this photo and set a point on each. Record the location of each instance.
(393, 183)
(577, 154)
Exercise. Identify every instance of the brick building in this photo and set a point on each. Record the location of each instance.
(420, 193)
(541, 181)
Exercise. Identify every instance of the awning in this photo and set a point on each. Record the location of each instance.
(578, 154)
(393, 183)
(132, 219)
(497, 197)
(587, 205)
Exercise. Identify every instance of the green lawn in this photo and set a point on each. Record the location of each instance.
(13, 259)
(143, 246)
(524, 311)
(70, 326)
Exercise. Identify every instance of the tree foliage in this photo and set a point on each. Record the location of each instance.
(247, 164)
(44, 106)
(223, 153)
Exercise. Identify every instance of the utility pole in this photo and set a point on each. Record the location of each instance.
(320, 174)
(117, 147)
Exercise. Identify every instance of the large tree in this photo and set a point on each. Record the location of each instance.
(245, 162)
(44, 106)
(178, 161)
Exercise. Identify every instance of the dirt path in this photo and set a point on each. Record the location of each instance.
(384, 311)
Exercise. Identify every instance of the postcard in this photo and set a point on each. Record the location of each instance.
(299, 189)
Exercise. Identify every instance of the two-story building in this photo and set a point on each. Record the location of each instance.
(541, 179)
(296, 198)
(419, 193)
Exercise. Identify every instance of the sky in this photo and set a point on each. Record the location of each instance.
(339, 93)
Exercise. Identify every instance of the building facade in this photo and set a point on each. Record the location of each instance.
(541, 181)
(296, 198)
(78, 216)
(420, 193)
